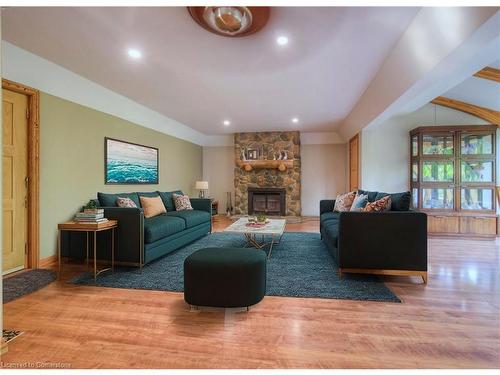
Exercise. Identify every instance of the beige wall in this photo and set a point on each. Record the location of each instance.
(323, 175)
(72, 161)
(385, 149)
(218, 170)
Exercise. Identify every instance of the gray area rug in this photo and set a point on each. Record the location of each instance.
(25, 283)
(300, 266)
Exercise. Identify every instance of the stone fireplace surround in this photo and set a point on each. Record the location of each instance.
(270, 143)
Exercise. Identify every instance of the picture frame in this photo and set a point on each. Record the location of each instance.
(252, 154)
(128, 163)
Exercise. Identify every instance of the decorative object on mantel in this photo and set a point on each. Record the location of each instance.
(202, 186)
(281, 165)
(230, 21)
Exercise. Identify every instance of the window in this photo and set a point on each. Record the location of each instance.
(452, 168)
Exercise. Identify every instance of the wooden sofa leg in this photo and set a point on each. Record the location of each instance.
(424, 277)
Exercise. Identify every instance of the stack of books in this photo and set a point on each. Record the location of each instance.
(91, 216)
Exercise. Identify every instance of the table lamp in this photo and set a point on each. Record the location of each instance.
(202, 186)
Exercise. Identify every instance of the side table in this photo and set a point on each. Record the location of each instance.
(74, 226)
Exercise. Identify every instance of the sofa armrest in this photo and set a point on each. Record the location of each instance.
(129, 238)
(326, 205)
(202, 204)
(394, 240)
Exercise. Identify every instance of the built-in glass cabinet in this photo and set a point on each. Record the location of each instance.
(452, 168)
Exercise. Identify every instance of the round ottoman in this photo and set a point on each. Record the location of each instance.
(225, 277)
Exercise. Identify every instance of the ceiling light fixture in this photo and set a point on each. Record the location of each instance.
(227, 122)
(134, 53)
(230, 21)
(295, 120)
(282, 40)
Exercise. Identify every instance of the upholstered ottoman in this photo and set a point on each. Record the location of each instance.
(225, 277)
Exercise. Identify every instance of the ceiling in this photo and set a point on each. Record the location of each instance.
(478, 91)
(201, 79)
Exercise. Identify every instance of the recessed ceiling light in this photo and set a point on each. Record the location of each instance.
(134, 53)
(295, 120)
(227, 122)
(282, 40)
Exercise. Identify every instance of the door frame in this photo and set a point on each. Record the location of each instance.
(32, 258)
(354, 138)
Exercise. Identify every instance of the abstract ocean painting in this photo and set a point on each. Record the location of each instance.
(130, 163)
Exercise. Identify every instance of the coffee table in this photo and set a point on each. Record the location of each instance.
(273, 228)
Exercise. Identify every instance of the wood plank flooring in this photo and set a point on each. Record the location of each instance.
(454, 321)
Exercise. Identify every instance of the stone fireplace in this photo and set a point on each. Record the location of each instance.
(264, 186)
(267, 201)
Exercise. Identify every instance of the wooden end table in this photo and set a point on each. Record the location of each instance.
(74, 226)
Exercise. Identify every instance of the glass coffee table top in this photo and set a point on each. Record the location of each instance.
(273, 228)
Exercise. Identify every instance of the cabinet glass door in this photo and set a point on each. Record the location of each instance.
(437, 171)
(437, 144)
(477, 199)
(437, 198)
(476, 171)
(476, 144)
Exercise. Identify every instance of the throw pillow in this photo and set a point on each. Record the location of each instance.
(343, 202)
(400, 201)
(152, 206)
(125, 202)
(380, 205)
(359, 202)
(182, 202)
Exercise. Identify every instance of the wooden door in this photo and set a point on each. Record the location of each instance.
(14, 180)
(354, 163)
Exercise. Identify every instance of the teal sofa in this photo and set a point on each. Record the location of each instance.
(140, 240)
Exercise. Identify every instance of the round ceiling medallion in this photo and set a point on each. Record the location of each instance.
(230, 21)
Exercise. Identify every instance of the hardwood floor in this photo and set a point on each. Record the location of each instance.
(454, 321)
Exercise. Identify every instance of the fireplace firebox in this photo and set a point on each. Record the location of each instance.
(268, 201)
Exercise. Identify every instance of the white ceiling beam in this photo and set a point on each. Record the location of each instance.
(441, 48)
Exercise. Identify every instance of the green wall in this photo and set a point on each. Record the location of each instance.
(72, 161)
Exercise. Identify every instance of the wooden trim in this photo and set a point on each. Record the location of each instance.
(481, 112)
(422, 274)
(490, 73)
(33, 169)
(48, 262)
(352, 167)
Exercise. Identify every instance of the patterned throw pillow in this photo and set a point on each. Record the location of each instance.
(343, 202)
(125, 202)
(360, 202)
(182, 202)
(152, 206)
(383, 204)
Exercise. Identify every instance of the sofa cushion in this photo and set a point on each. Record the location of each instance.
(192, 218)
(380, 205)
(149, 194)
(400, 201)
(109, 199)
(343, 202)
(158, 227)
(359, 202)
(167, 198)
(125, 203)
(372, 195)
(332, 233)
(153, 206)
(329, 216)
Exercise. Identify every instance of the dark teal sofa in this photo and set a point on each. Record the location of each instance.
(138, 240)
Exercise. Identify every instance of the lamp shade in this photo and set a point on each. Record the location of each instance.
(201, 185)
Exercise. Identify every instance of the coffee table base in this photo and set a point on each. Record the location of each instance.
(252, 241)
